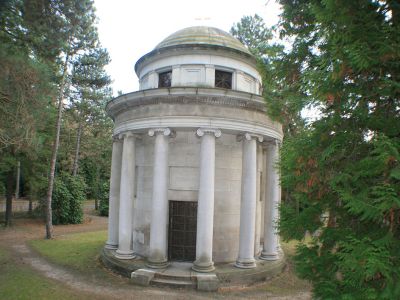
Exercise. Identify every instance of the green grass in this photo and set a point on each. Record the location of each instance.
(77, 251)
(17, 281)
(4, 256)
(80, 252)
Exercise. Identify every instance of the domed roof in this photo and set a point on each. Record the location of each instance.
(202, 35)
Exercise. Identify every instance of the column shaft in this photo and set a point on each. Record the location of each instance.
(158, 255)
(248, 204)
(113, 206)
(271, 238)
(125, 250)
(257, 243)
(205, 208)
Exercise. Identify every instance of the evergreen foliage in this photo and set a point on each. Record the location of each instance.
(68, 196)
(253, 33)
(50, 61)
(104, 200)
(343, 171)
(89, 92)
(277, 70)
(25, 94)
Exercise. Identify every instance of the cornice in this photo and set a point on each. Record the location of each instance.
(186, 95)
(232, 126)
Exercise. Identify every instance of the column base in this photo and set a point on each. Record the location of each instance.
(157, 264)
(121, 254)
(111, 246)
(246, 263)
(269, 256)
(203, 267)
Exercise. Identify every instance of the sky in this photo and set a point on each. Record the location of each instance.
(131, 28)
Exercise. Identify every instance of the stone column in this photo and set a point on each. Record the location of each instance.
(125, 250)
(158, 257)
(271, 238)
(205, 206)
(113, 206)
(248, 203)
(257, 243)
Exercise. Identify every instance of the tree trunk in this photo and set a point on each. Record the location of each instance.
(17, 180)
(96, 200)
(9, 195)
(78, 146)
(30, 210)
(49, 219)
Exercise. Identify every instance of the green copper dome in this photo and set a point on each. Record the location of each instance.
(202, 35)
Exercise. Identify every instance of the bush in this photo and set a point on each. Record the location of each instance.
(68, 196)
(103, 197)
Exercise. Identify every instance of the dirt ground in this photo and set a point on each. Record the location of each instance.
(14, 240)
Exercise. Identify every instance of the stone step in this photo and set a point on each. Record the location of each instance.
(172, 276)
(173, 282)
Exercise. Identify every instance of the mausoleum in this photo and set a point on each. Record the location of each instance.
(193, 176)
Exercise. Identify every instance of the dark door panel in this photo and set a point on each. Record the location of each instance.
(182, 230)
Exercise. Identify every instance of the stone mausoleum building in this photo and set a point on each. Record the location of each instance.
(194, 186)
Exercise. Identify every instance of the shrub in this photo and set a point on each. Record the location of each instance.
(68, 196)
(103, 197)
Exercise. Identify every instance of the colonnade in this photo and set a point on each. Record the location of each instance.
(122, 194)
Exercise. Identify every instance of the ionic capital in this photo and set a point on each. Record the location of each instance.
(164, 131)
(127, 134)
(116, 138)
(249, 136)
(202, 131)
(272, 142)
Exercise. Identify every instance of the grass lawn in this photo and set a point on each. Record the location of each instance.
(74, 250)
(17, 281)
(78, 251)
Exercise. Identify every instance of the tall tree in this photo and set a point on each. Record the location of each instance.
(90, 89)
(24, 97)
(278, 71)
(344, 172)
(78, 24)
(25, 89)
(40, 44)
(252, 32)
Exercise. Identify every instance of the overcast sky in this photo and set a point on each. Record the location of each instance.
(129, 28)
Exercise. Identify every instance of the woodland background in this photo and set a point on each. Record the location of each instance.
(340, 171)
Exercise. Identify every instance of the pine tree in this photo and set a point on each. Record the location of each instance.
(77, 18)
(90, 84)
(282, 97)
(253, 33)
(344, 170)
